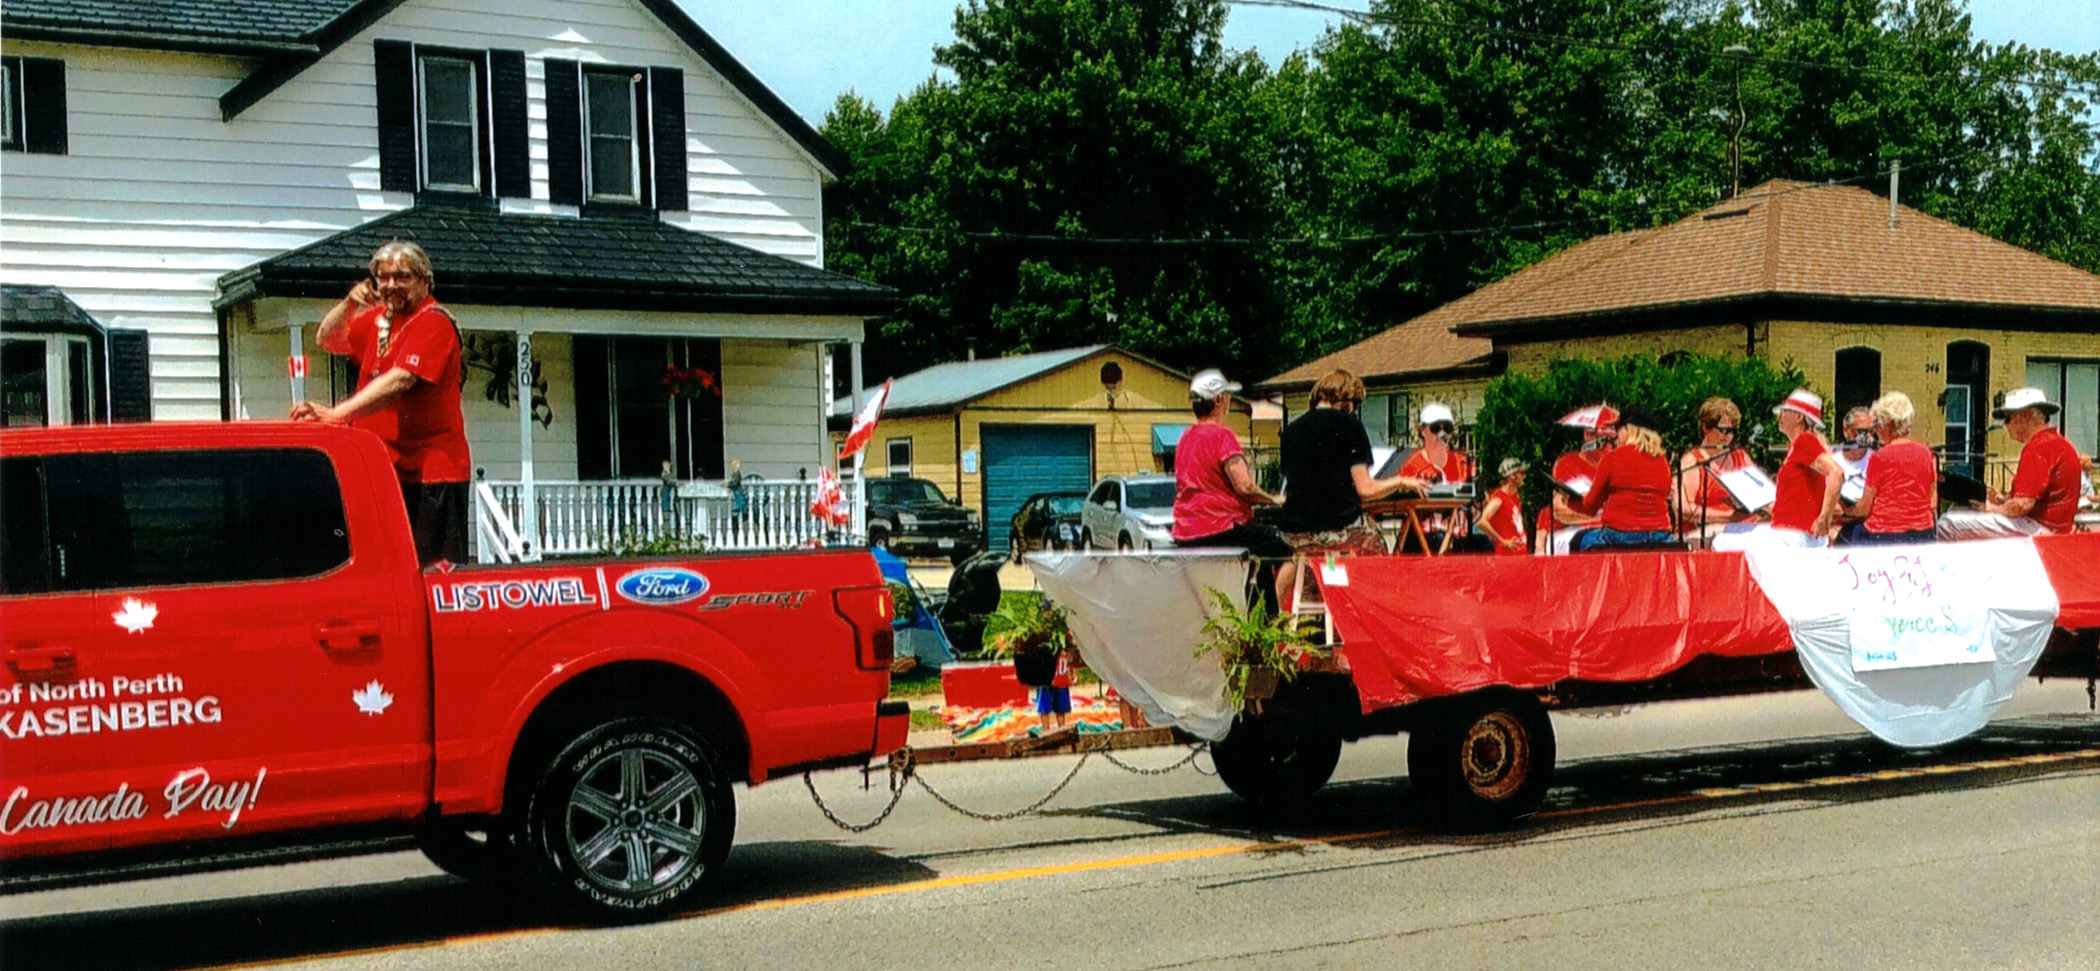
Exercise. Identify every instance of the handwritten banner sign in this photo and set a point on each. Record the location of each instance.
(1912, 607)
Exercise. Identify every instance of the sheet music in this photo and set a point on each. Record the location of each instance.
(1577, 484)
(1749, 486)
(1385, 461)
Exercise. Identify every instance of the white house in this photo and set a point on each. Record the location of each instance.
(597, 180)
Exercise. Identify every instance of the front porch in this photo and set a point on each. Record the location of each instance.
(587, 387)
(599, 518)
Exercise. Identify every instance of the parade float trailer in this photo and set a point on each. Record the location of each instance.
(1468, 654)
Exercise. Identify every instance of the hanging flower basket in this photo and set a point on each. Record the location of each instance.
(1035, 669)
(690, 382)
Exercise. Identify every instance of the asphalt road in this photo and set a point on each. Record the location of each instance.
(1755, 832)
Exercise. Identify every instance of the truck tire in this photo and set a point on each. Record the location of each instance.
(1482, 761)
(1275, 760)
(631, 817)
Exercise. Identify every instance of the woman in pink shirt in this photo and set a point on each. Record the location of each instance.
(1214, 489)
(1902, 498)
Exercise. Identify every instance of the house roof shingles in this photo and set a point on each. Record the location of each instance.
(486, 257)
(266, 22)
(38, 307)
(294, 34)
(945, 386)
(1822, 244)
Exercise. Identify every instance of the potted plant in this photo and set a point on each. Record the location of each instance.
(1032, 631)
(1259, 651)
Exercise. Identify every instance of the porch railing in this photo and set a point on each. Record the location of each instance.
(590, 518)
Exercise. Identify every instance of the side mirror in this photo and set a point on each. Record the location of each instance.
(1112, 506)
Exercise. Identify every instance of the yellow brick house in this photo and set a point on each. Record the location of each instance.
(993, 432)
(1863, 295)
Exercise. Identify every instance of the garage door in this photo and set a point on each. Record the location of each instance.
(1022, 460)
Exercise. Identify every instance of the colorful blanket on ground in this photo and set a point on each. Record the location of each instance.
(1091, 713)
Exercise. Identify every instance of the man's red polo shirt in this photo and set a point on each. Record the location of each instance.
(424, 426)
(2048, 475)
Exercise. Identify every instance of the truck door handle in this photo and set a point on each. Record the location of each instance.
(347, 635)
(41, 662)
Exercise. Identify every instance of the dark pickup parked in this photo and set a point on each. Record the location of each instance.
(912, 517)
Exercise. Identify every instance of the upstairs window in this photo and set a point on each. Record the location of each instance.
(450, 98)
(33, 105)
(615, 135)
(612, 124)
(451, 121)
(899, 458)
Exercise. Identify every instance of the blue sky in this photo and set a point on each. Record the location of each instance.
(808, 51)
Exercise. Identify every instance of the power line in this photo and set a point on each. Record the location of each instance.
(2085, 88)
(1672, 215)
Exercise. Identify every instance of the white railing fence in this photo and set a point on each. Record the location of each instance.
(590, 518)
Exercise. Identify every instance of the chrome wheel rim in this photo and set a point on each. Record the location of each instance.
(635, 822)
(1496, 755)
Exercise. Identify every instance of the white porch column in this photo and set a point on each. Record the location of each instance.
(528, 500)
(860, 458)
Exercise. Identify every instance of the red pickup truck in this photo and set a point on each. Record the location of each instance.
(216, 635)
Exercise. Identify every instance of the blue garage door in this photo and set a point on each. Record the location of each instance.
(1022, 460)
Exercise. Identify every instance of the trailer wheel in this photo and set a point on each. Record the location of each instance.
(1276, 759)
(631, 817)
(1482, 761)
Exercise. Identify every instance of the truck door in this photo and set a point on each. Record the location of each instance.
(271, 672)
(48, 772)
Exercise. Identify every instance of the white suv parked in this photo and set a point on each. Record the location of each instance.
(1128, 512)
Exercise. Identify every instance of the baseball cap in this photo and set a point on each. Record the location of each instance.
(1210, 383)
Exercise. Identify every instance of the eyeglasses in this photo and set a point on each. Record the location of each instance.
(1725, 429)
(1443, 428)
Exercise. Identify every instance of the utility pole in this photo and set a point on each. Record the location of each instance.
(1736, 53)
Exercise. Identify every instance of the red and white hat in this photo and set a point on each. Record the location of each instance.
(1805, 403)
(1593, 416)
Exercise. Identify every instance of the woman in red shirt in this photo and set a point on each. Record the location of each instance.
(1902, 499)
(1632, 489)
(1704, 506)
(1809, 479)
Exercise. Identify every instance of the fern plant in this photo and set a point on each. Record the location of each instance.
(1259, 651)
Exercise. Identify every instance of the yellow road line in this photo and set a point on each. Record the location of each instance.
(1177, 856)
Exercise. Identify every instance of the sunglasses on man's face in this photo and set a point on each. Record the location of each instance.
(1442, 428)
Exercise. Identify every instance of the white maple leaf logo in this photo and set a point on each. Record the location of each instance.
(136, 616)
(372, 698)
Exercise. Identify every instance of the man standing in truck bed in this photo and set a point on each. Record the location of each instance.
(408, 374)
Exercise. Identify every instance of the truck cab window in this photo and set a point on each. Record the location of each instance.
(221, 517)
(25, 535)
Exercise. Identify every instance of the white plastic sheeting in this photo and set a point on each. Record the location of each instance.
(1137, 618)
(1882, 629)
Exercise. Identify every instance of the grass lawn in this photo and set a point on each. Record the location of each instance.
(926, 720)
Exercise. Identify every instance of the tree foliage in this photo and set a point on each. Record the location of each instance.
(1516, 418)
(1019, 195)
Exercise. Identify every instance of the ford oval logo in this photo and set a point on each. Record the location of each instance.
(662, 585)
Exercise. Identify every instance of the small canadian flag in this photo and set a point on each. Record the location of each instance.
(863, 429)
(298, 365)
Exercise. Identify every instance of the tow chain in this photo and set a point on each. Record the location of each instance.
(904, 768)
(1001, 817)
(898, 773)
(1194, 750)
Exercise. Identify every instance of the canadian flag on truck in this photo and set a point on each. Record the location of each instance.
(863, 429)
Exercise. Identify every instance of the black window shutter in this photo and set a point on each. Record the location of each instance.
(43, 97)
(513, 150)
(667, 119)
(394, 77)
(593, 409)
(564, 133)
(130, 376)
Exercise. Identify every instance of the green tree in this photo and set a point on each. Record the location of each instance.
(1069, 125)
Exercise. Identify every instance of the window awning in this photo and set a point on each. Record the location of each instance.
(1165, 437)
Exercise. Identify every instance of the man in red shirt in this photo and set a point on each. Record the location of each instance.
(408, 370)
(2045, 488)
